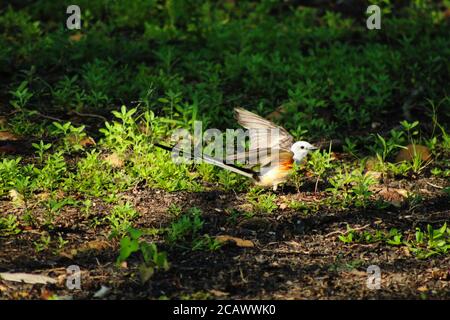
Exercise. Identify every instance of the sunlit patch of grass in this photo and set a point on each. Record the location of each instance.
(424, 243)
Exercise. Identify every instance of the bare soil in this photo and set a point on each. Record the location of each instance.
(296, 255)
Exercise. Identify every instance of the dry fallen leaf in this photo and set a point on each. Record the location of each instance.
(27, 278)
(43, 196)
(411, 151)
(76, 37)
(95, 245)
(293, 243)
(403, 192)
(237, 241)
(88, 141)
(375, 175)
(371, 163)
(394, 196)
(143, 128)
(17, 199)
(406, 251)
(218, 293)
(283, 206)
(8, 136)
(422, 289)
(114, 160)
(246, 207)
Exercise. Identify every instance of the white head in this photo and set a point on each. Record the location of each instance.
(301, 149)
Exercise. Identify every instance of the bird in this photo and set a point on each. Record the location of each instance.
(275, 154)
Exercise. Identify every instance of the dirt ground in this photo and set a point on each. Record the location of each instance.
(295, 255)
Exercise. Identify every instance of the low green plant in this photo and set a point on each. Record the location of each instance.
(352, 235)
(394, 237)
(320, 162)
(262, 202)
(430, 242)
(361, 189)
(43, 243)
(186, 228)
(61, 242)
(151, 258)
(10, 171)
(424, 244)
(185, 232)
(41, 148)
(53, 207)
(305, 207)
(384, 148)
(351, 187)
(207, 243)
(21, 96)
(230, 181)
(175, 210)
(50, 176)
(127, 134)
(9, 225)
(120, 219)
(71, 136)
(350, 146)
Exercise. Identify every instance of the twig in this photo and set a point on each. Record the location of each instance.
(242, 276)
(431, 221)
(433, 185)
(88, 115)
(317, 184)
(345, 232)
(35, 113)
(287, 251)
(48, 117)
(60, 120)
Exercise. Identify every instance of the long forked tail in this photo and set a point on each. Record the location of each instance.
(208, 159)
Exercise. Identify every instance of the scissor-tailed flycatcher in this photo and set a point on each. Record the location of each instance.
(275, 153)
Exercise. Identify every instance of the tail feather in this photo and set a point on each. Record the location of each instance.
(208, 159)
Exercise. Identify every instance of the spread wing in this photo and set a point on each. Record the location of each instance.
(262, 157)
(263, 133)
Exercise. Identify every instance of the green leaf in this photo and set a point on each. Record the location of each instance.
(161, 261)
(443, 229)
(148, 251)
(134, 233)
(127, 247)
(145, 272)
(419, 236)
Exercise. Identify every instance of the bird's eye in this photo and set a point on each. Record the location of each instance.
(302, 147)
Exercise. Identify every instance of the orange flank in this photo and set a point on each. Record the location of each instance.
(276, 174)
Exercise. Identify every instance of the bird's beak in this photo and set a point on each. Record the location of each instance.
(313, 148)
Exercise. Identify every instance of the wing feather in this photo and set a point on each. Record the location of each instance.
(261, 131)
(262, 157)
